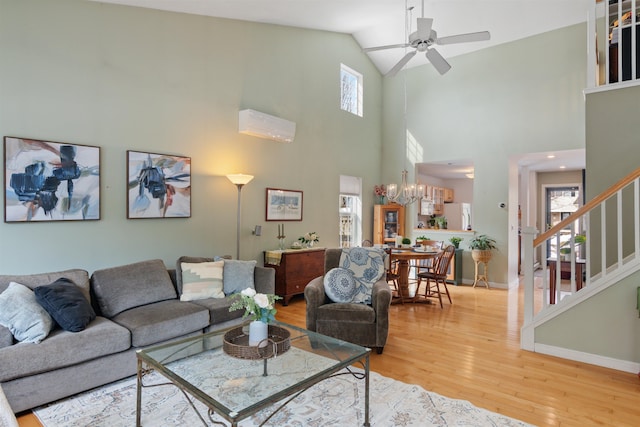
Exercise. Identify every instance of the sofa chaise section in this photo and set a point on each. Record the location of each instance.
(64, 363)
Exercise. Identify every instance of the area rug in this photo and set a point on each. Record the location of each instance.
(336, 401)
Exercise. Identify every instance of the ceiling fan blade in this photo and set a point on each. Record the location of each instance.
(465, 38)
(438, 61)
(424, 28)
(396, 68)
(390, 46)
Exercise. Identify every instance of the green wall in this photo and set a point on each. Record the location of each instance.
(493, 105)
(124, 78)
(607, 323)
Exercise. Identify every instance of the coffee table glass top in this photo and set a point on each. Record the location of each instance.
(236, 388)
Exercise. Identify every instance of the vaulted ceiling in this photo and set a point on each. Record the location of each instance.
(382, 22)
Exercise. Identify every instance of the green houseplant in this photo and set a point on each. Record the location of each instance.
(481, 247)
(455, 241)
(420, 239)
(565, 248)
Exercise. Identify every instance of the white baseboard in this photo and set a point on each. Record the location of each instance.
(592, 359)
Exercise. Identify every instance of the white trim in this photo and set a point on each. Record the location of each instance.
(611, 86)
(595, 286)
(592, 359)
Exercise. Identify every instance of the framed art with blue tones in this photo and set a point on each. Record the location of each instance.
(50, 181)
(159, 185)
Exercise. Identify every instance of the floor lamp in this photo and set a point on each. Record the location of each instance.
(239, 180)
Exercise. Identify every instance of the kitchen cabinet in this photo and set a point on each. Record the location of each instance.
(448, 195)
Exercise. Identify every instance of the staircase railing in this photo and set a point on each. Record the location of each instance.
(606, 221)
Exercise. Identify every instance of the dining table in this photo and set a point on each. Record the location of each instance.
(404, 256)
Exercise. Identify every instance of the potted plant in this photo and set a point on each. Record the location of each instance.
(406, 242)
(565, 248)
(421, 239)
(455, 241)
(432, 221)
(441, 221)
(481, 247)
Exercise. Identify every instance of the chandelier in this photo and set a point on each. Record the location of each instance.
(407, 193)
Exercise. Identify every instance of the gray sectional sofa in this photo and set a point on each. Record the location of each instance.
(136, 305)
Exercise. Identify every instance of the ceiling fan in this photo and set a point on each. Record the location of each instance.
(423, 40)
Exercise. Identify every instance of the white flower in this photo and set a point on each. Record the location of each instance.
(261, 300)
(249, 292)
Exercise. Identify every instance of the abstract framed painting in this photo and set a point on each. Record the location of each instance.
(283, 205)
(159, 185)
(50, 181)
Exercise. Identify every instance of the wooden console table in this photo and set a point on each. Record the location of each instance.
(565, 267)
(296, 269)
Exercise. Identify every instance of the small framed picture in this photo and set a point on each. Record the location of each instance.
(284, 205)
(159, 185)
(50, 181)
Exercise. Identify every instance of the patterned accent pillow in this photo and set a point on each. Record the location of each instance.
(367, 266)
(202, 280)
(339, 285)
(22, 315)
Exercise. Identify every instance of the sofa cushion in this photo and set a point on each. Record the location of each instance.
(162, 321)
(21, 313)
(340, 312)
(77, 276)
(367, 265)
(201, 280)
(238, 275)
(219, 309)
(339, 285)
(64, 301)
(6, 337)
(121, 288)
(61, 348)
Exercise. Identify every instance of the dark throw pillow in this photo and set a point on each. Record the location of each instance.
(66, 304)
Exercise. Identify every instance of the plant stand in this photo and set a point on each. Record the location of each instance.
(485, 273)
(481, 257)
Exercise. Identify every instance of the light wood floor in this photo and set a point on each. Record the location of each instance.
(470, 350)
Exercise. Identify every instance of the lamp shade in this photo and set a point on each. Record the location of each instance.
(239, 178)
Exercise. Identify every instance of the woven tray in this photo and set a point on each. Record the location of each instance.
(236, 344)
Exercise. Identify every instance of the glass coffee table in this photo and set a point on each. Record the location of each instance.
(236, 388)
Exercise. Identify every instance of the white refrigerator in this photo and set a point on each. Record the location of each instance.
(458, 215)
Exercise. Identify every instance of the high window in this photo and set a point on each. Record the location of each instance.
(350, 90)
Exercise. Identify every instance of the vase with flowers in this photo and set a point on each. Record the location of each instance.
(261, 309)
(380, 192)
(310, 239)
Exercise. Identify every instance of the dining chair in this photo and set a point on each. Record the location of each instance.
(428, 264)
(392, 272)
(438, 276)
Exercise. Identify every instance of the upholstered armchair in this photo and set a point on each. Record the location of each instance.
(365, 324)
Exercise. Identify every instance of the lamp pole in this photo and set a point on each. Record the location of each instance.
(239, 180)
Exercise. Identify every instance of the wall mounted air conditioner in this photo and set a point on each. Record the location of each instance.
(255, 123)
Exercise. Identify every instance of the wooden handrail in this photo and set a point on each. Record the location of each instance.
(587, 207)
